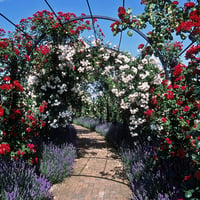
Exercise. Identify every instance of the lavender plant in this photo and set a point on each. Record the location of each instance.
(147, 182)
(20, 181)
(87, 122)
(57, 161)
(103, 128)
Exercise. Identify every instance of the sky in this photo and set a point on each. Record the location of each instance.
(18, 9)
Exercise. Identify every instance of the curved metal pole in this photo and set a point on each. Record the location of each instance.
(114, 20)
(134, 29)
(17, 27)
(53, 12)
(91, 17)
(105, 18)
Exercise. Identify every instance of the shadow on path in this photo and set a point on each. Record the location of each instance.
(98, 172)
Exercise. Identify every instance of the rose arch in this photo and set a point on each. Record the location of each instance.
(48, 69)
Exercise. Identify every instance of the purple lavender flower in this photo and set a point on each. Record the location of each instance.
(147, 182)
(57, 161)
(20, 181)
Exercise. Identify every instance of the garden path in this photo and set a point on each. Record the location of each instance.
(98, 172)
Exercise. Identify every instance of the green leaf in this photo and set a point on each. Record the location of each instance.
(133, 25)
(188, 194)
(198, 144)
(194, 156)
(7, 111)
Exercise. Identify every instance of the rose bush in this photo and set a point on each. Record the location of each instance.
(174, 113)
(174, 104)
(19, 123)
(53, 60)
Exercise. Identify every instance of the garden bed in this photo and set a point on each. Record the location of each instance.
(147, 179)
(20, 180)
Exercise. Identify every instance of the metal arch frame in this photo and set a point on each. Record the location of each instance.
(104, 18)
(92, 17)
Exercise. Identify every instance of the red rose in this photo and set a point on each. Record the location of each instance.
(154, 101)
(175, 2)
(168, 141)
(169, 94)
(187, 177)
(181, 153)
(169, 87)
(4, 148)
(155, 157)
(42, 123)
(164, 119)
(31, 161)
(28, 130)
(152, 89)
(1, 111)
(6, 78)
(174, 112)
(148, 112)
(140, 46)
(193, 50)
(183, 87)
(189, 4)
(186, 108)
(18, 85)
(121, 11)
(178, 69)
(164, 82)
(41, 109)
(178, 102)
(27, 58)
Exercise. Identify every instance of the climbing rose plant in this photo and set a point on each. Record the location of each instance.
(174, 105)
(174, 112)
(18, 123)
(53, 75)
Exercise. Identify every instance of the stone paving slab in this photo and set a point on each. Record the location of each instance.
(98, 172)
